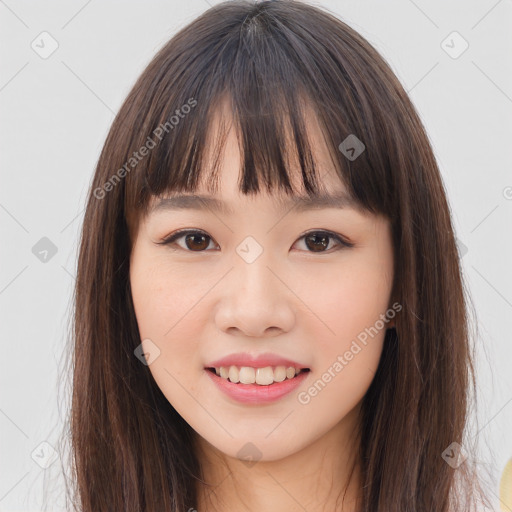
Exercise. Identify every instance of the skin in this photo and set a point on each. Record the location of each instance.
(305, 305)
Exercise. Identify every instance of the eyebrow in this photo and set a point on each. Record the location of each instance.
(300, 203)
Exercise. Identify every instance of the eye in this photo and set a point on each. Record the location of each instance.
(199, 241)
(317, 241)
(195, 241)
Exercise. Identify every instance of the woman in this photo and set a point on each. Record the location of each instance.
(269, 307)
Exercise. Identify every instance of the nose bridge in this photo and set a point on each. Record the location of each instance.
(254, 299)
(252, 271)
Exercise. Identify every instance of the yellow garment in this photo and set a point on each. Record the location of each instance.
(506, 488)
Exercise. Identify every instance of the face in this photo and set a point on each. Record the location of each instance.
(267, 278)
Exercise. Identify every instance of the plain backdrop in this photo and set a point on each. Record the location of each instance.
(66, 67)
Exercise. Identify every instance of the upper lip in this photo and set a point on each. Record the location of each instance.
(255, 361)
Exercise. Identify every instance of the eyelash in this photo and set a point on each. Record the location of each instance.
(181, 233)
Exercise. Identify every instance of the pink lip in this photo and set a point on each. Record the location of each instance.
(255, 393)
(260, 361)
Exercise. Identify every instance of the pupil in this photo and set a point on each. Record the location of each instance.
(192, 236)
(324, 241)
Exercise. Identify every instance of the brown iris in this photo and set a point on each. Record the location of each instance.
(319, 241)
(201, 241)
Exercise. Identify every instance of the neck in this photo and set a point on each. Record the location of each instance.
(323, 476)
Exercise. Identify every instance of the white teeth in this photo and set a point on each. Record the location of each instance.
(262, 376)
(279, 374)
(233, 374)
(247, 375)
(265, 376)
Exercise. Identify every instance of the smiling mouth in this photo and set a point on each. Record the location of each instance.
(260, 376)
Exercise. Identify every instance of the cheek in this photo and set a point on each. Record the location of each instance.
(348, 330)
(348, 300)
(348, 342)
(168, 312)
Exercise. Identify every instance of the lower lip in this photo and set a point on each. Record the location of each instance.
(256, 393)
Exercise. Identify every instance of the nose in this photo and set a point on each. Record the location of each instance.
(256, 300)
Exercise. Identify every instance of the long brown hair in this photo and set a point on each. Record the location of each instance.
(131, 451)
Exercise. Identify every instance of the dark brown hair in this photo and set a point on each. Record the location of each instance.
(131, 451)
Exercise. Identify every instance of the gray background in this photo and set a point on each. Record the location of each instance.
(56, 112)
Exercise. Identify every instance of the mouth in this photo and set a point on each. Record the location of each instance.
(267, 376)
